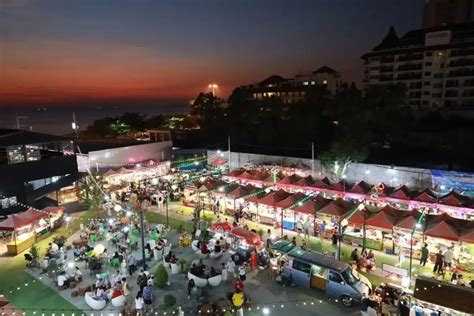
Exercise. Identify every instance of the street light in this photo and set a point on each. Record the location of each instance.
(343, 223)
(213, 87)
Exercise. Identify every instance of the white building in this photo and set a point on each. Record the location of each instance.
(436, 65)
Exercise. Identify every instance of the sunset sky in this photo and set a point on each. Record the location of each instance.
(64, 51)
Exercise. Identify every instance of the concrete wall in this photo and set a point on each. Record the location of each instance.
(115, 157)
(390, 175)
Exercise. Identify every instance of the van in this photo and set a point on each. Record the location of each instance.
(317, 271)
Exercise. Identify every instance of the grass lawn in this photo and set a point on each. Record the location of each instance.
(34, 295)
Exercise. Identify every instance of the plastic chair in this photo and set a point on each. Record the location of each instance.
(115, 263)
(93, 238)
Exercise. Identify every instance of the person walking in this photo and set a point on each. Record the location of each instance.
(131, 263)
(148, 295)
(230, 269)
(191, 286)
(424, 254)
(242, 273)
(139, 303)
(438, 262)
(448, 257)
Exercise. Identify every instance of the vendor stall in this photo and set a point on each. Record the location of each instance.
(243, 240)
(466, 253)
(354, 233)
(264, 208)
(404, 230)
(329, 216)
(20, 229)
(309, 209)
(379, 229)
(290, 218)
(442, 232)
(235, 198)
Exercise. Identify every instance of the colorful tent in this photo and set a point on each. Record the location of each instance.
(361, 188)
(241, 191)
(408, 220)
(250, 237)
(442, 226)
(467, 233)
(312, 206)
(385, 218)
(221, 227)
(454, 199)
(235, 173)
(290, 200)
(359, 217)
(337, 207)
(426, 196)
(218, 162)
(401, 193)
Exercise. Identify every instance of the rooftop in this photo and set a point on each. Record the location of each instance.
(14, 137)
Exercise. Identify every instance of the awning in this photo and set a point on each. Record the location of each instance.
(273, 197)
(293, 179)
(361, 188)
(409, 220)
(306, 181)
(340, 186)
(442, 226)
(241, 191)
(401, 193)
(250, 237)
(321, 183)
(312, 206)
(290, 200)
(235, 173)
(359, 217)
(454, 199)
(20, 220)
(385, 218)
(337, 207)
(426, 196)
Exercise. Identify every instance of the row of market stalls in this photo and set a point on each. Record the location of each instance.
(383, 228)
(453, 203)
(19, 231)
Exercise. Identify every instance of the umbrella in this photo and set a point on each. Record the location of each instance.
(250, 237)
(221, 227)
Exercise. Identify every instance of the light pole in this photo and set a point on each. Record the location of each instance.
(342, 223)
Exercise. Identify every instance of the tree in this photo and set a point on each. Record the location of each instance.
(90, 190)
(161, 276)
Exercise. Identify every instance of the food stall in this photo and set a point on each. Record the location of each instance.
(466, 253)
(307, 211)
(329, 216)
(264, 208)
(20, 229)
(235, 198)
(354, 233)
(243, 240)
(406, 229)
(442, 232)
(286, 206)
(379, 229)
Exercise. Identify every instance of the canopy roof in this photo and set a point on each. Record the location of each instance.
(409, 220)
(359, 217)
(241, 191)
(385, 218)
(322, 183)
(442, 226)
(290, 200)
(54, 209)
(218, 161)
(467, 233)
(337, 207)
(426, 196)
(20, 220)
(401, 193)
(340, 186)
(221, 227)
(273, 197)
(454, 199)
(293, 179)
(110, 172)
(210, 184)
(312, 206)
(235, 173)
(250, 237)
(361, 188)
(306, 181)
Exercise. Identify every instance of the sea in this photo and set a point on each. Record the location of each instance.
(58, 120)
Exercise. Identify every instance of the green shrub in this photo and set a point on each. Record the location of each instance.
(34, 252)
(169, 300)
(183, 264)
(161, 276)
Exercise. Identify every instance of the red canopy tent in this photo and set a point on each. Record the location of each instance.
(273, 197)
(454, 199)
(218, 162)
(467, 234)
(250, 238)
(426, 196)
(337, 207)
(293, 179)
(359, 217)
(312, 206)
(340, 186)
(385, 218)
(401, 193)
(14, 222)
(306, 181)
(361, 188)
(321, 183)
(241, 191)
(408, 221)
(442, 226)
(290, 200)
(246, 175)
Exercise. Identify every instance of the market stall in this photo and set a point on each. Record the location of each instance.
(235, 198)
(355, 234)
(442, 232)
(379, 229)
(20, 230)
(290, 218)
(243, 240)
(329, 216)
(310, 208)
(466, 253)
(405, 229)
(264, 209)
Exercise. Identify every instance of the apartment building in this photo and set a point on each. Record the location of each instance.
(295, 90)
(436, 65)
